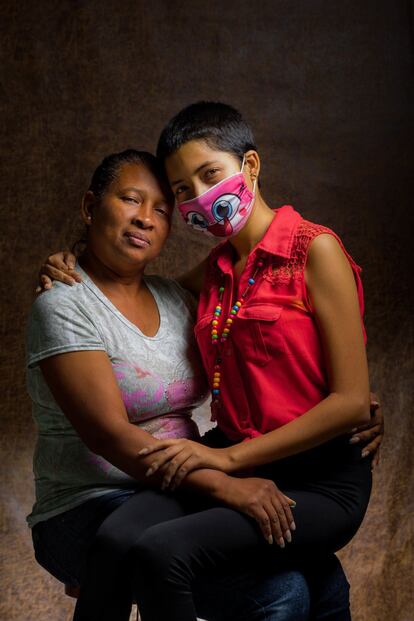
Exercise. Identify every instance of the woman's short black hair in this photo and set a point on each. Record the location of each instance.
(220, 125)
(111, 165)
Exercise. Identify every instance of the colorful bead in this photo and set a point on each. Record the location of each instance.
(216, 337)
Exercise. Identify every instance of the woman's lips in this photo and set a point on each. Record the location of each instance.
(138, 240)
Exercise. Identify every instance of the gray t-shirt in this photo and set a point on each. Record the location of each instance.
(160, 378)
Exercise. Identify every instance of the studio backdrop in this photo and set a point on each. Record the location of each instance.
(327, 88)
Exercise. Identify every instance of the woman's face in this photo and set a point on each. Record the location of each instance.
(130, 224)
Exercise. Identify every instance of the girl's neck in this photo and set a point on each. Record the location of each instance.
(254, 230)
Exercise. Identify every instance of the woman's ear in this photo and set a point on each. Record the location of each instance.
(252, 164)
(87, 205)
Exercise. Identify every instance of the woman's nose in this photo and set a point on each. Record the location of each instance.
(145, 215)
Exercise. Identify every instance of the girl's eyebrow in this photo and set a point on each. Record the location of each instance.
(197, 170)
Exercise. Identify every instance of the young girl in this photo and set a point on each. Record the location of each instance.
(280, 332)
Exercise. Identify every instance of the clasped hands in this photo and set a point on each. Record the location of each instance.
(179, 457)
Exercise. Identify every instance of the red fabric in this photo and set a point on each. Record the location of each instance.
(272, 368)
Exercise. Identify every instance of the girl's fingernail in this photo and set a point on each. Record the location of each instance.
(149, 472)
(143, 451)
(288, 536)
(354, 440)
(293, 526)
(270, 540)
(354, 430)
(282, 542)
(293, 505)
(365, 453)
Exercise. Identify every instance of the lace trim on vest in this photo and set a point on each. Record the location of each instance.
(284, 270)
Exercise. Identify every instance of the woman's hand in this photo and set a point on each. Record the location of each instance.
(179, 457)
(264, 502)
(59, 266)
(371, 434)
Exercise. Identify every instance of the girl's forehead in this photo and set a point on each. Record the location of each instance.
(193, 154)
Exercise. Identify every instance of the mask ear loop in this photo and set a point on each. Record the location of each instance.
(255, 176)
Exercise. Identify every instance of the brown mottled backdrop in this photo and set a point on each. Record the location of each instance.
(327, 86)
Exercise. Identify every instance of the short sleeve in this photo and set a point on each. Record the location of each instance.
(59, 324)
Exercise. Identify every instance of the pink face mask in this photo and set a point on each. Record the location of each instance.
(222, 210)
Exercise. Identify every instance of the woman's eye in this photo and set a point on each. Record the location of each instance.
(162, 210)
(130, 199)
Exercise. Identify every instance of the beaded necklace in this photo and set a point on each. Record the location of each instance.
(219, 340)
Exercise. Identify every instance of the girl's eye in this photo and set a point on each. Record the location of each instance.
(180, 190)
(130, 199)
(212, 171)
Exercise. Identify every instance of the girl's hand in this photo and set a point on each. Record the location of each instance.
(262, 500)
(180, 457)
(370, 435)
(59, 266)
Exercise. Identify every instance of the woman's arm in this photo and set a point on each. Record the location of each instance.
(61, 266)
(85, 388)
(332, 291)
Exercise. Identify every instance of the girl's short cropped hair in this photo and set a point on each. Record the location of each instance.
(220, 125)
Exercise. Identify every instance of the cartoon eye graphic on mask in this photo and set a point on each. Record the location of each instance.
(225, 207)
(196, 220)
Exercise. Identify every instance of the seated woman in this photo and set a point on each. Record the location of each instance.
(113, 365)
